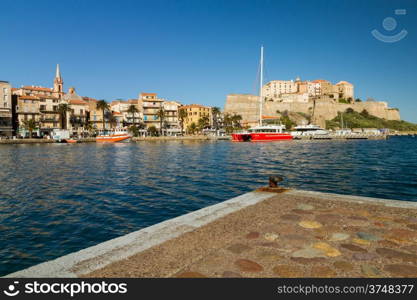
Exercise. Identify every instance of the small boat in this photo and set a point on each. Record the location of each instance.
(266, 133)
(113, 136)
(72, 141)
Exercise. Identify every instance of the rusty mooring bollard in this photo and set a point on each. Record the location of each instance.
(273, 181)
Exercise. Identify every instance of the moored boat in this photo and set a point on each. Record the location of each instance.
(266, 133)
(309, 130)
(115, 136)
(262, 133)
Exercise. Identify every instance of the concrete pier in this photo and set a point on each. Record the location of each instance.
(260, 234)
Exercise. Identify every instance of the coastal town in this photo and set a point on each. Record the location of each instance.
(33, 111)
(36, 111)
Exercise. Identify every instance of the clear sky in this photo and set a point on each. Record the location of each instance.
(199, 51)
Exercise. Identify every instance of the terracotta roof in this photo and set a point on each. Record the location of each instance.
(319, 80)
(77, 102)
(194, 105)
(28, 97)
(47, 97)
(115, 102)
(148, 94)
(37, 88)
(88, 99)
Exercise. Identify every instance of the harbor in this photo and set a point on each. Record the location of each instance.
(61, 198)
(260, 149)
(271, 232)
(197, 138)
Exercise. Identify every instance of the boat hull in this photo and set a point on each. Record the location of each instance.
(261, 137)
(241, 137)
(111, 138)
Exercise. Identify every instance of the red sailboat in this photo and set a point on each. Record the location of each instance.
(262, 133)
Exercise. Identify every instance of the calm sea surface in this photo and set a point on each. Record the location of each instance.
(57, 198)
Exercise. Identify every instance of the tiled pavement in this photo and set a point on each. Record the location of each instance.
(287, 236)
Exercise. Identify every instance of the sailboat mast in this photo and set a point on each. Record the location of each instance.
(261, 85)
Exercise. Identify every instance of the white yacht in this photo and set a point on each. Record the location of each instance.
(309, 129)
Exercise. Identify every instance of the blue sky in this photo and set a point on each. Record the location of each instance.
(200, 51)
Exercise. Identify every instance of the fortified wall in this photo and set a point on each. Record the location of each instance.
(248, 107)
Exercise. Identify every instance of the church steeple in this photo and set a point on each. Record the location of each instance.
(58, 82)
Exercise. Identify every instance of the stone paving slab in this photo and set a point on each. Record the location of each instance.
(293, 234)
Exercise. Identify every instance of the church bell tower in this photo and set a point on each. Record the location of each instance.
(58, 82)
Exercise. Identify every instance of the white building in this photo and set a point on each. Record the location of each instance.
(5, 109)
(275, 88)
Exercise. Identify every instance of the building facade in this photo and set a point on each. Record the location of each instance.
(275, 88)
(27, 108)
(79, 114)
(6, 125)
(195, 112)
(150, 104)
(345, 90)
(122, 107)
(172, 123)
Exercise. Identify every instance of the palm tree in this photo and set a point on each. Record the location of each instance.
(103, 106)
(30, 125)
(112, 120)
(134, 130)
(228, 123)
(63, 108)
(203, 122)
(236, 121)
(88, 126)
(152, 131)
(133, 110)
(182, 115)
(215, 111)
(161, 116)
(192, 128)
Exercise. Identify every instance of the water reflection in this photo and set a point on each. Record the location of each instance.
(56, 199)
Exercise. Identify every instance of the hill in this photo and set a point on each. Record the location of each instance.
(353, 119)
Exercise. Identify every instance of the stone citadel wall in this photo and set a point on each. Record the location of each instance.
(248, 107)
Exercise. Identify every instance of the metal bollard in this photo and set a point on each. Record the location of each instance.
(273, 181)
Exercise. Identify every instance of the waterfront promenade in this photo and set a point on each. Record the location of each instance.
(207, 137)
(292, 233)
(135, 139)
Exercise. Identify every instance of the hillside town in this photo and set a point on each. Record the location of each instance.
(302, 91)
(315, 101)
(37, 111)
